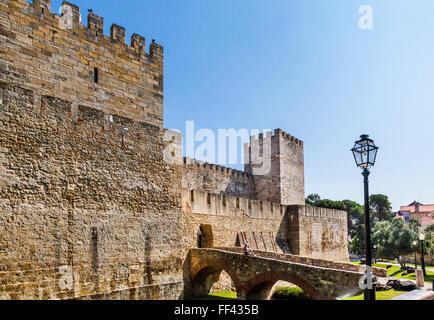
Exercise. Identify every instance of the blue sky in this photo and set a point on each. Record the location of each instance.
(306, 67)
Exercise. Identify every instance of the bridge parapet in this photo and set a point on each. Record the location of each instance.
(379, 272)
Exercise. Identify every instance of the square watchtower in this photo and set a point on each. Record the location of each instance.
(276, 162)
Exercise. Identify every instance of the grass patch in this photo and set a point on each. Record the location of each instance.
(380, 265)
(408, 264)
(224, 294)
(418, 265)
(379, 295)
(292, 293)
(393, 262)
(395, 271)
(221, 295)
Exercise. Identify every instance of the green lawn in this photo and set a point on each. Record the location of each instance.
(230, 295)
(224, 294)
(418, 265)
(408, 264)
(379, 295)
(395, 271)
(221, 295)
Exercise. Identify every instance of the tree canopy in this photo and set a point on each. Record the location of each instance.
(312, 199)
(381, 209)
(394, 238)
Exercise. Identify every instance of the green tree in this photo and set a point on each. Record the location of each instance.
(381, 208)
(414, 225)
(394, 238)
(326, 203)
(430, 228)
(312, 199)
(429, 240)
(355, 224)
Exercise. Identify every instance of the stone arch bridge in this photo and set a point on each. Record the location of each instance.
(254, 276)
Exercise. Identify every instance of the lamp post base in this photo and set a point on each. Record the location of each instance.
(369, 294)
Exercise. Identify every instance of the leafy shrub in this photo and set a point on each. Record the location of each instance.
(293, 293)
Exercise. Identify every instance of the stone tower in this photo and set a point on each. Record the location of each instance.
(276, 162)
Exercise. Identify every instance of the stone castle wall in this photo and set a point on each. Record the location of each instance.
(230, 221)
(57, 56)
(88, 207)
(280, 180)
(226, 221)
(291, 170)
(318, 233)
(216, 179)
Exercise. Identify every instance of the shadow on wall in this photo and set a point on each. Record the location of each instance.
(282, 236)
(186, 275)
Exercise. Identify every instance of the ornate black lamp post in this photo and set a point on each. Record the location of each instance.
(375, 253)
(365, 154)
(415, 254)
(422, 239)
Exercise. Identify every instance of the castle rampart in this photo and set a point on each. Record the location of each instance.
(302, 230)
(201, 176)
(84, 201)
(271, 192)
(58, 56)
(318, 232)
(201, 202)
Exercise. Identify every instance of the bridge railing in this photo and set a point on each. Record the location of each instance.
(380, 272)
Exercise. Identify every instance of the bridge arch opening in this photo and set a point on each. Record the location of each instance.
(205, 274)
(224, 283)
(207, 279)
(260, 287)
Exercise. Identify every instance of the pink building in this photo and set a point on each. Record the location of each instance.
(423, 212)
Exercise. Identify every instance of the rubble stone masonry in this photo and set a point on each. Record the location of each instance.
(88, 207)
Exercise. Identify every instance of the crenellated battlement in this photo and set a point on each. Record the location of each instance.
(202, 202)
(288, 137)
(207, 203)
(215, 168)
(317, 212)
(71, 19)
(277, 133)
(59, 56)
